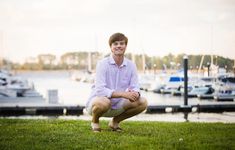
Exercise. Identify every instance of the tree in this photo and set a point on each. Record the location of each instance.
(46, 60)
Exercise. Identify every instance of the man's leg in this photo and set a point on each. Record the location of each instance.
(100, 105)
(131, 109)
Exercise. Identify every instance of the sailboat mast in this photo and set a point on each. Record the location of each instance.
(1, 49)
(212, 45)
(212, 60)
(133, 57)
(143, 62)
(234, 67)
(89, 61)
(200, 66)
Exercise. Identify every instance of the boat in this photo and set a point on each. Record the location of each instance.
(145, 81)
(200, 90)
(173, 83)
(14, 88)
(226, 90)
(85, 76)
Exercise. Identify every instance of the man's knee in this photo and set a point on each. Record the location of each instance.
(143, 102)
(101, 105)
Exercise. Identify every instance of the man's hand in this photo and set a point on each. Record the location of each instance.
(131, 95)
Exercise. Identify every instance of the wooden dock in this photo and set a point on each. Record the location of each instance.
(62, 110)
(41, 110)
(213, 108)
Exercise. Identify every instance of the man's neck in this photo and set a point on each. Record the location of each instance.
(118, 59)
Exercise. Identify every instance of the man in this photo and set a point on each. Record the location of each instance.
(116, 91)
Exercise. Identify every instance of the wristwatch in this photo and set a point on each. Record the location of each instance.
(139, 94)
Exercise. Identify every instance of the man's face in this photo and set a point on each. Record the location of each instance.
(118, 47)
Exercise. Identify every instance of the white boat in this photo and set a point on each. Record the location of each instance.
(226, 90)
(200, 90)
(14, 87)
(86, 77)
(4, 92)
(197, 86)
(172, 83)
(145, 81)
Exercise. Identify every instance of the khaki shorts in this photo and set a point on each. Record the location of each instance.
(111, 112)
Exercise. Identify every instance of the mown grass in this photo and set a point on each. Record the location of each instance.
(76, 134)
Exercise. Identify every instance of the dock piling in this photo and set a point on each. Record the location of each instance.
(185, 80)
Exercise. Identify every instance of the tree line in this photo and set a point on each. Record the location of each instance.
(81, 61)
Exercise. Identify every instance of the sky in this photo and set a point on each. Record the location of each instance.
(153, 27)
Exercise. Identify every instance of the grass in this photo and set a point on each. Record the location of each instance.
(76, 134)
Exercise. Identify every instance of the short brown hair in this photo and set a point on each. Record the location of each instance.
(117, 37)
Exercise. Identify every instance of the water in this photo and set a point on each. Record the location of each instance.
(76, 93)
(71, 92)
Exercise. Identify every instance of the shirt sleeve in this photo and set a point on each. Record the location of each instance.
(100, 81)
(134, 83)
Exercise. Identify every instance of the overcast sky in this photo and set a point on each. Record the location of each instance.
(154, 27)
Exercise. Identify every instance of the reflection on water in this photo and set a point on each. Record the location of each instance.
(76, 93)
(69, 91)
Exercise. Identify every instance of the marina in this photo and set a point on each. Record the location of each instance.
(161, 72)
(72, 96)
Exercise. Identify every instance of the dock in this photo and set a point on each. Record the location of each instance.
(63, 110)
(209, 108)
(58, 110)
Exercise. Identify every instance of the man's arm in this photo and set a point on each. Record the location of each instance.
(100, 82)
(131, 95)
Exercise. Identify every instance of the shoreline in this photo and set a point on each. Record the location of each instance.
(226, 117)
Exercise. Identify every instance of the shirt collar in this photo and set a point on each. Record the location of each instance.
(112, 62)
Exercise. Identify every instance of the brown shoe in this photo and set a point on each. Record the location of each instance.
(118, 129)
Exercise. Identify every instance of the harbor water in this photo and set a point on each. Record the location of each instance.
(72, 92)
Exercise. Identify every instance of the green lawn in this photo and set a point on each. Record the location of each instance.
(76, 134)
